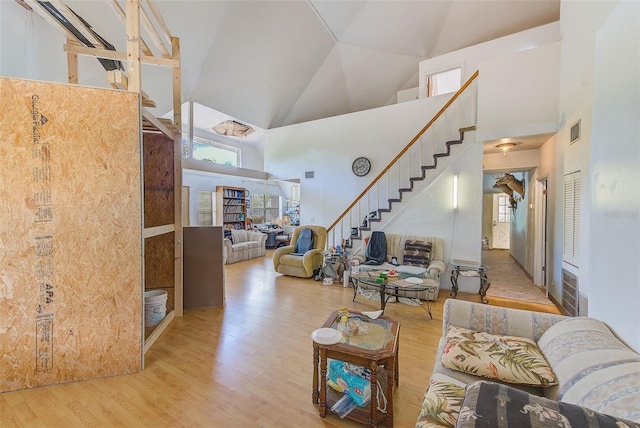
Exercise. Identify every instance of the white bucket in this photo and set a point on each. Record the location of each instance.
(155, 307)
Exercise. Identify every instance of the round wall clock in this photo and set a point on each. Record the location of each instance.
(361, 166)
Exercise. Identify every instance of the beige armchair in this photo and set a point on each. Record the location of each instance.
(286, 262)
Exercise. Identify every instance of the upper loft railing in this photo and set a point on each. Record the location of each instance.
(140, 19)
(413, 163)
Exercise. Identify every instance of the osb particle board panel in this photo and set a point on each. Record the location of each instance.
(158, 180)
(159, 265)
(70, 234)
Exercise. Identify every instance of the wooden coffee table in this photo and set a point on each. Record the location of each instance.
(376, 350)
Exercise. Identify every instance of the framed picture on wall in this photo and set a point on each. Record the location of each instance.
(575, 132)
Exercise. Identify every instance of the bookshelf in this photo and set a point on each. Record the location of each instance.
(231, 207)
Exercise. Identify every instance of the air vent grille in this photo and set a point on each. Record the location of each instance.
(570, 302)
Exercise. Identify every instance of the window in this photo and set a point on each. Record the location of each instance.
(205, 208)
(265, 208)
(571, 223)
(504, 216)
(212, 151)
(444, 82)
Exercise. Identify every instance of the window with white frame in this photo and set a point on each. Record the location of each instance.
(571, 219)
(504, 216)
(265, 208)
(212, 151)
(205, 208)
(444, 82)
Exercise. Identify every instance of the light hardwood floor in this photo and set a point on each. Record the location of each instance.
(248, 364)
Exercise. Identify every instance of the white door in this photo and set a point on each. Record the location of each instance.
(501, 221)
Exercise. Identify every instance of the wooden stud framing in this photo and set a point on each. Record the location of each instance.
(123, 17)
(133, 46)
(77, 23)
(146, 22)
(177, 103)
(138, 52)
(72, 65)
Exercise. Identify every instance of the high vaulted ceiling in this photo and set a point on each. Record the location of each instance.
(276, 63)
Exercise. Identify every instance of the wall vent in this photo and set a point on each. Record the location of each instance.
(570, 302)
(309, 174)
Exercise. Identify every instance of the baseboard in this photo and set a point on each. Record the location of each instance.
(522, 267)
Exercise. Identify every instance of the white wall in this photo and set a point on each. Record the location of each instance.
(580, 22)
(407, 95)
(550, 166)
(460, 230)
(470, 58)
(614, 223)
(518, 93)
(27, 43)
(328, 147)
(513, 161)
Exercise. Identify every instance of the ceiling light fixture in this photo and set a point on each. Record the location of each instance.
(505, 146)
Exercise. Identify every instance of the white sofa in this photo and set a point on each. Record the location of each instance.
(395, 248)
(243, 245)
(595, 372)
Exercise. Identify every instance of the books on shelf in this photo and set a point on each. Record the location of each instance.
(232, 208)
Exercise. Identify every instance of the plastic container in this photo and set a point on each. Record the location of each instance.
(155, 307)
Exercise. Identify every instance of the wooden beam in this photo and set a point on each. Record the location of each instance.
(115, 6)
(76, 22)
(157, 41)
(72, 64)
(44, 14)
(120, 56)
(158, 331)
(177, 88)
(158, 16)
(118, 80)
(97, 53)
(149, 232)
(133, 45)
(24, 4)
(157, 124)
(171, 127)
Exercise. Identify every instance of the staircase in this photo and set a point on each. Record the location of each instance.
(415, 167)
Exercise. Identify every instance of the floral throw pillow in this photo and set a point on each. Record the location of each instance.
(441, 405)
(507, 358)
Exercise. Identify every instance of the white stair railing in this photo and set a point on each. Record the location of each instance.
(413, 163)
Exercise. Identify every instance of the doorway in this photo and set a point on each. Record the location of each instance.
(501, 222)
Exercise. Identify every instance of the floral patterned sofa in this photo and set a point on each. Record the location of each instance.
(509, 367)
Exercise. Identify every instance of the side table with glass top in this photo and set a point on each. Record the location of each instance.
(376, 350)
(470, 268)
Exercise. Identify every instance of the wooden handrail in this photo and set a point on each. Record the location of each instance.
(406, 148)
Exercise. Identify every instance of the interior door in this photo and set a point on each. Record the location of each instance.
(501, 227)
